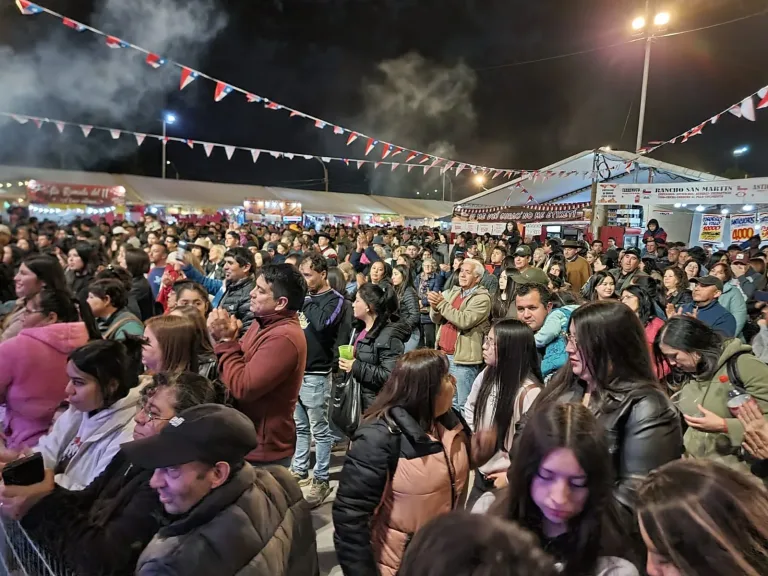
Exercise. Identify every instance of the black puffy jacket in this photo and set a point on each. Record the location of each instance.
(237, 301)
(409, 307)
(376, 355)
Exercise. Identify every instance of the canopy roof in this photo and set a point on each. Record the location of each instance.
(196, 194)
(577, 188)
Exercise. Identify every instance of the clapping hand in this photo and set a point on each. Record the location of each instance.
(434, 298)
(755, 430)
(223, 326)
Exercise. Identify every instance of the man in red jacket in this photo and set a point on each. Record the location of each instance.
(264, 370)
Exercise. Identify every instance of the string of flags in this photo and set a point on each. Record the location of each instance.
(229, 150)
(410, 158)
(743, 109)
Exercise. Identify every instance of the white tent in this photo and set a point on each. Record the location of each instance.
(577, 188)
(196, 194)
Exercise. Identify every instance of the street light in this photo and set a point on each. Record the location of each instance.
(168, 118)
(639, 24)
(479, 179)
(740, 151)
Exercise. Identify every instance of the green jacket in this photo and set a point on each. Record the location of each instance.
(121, 324)
(471, 320)
(713, 395)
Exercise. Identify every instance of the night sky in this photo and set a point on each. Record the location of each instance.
(438, 76)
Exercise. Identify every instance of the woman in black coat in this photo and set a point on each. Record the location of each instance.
(408, 302)
(430, 280)
(379, 340)
(82, 261)
(136, 262)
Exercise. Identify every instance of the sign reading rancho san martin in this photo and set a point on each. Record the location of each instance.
(533, 213)
(748, 191)
(52, 193)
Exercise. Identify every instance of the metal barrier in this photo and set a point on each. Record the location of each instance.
(21, 556)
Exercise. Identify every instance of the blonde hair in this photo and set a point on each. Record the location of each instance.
(218, 250)
(348, 270)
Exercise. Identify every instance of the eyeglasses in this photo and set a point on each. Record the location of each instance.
(570, 338)
(151, 417)
(488, 341)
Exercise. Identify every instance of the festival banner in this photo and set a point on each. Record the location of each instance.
(763, 225)
(711, 230)
(577, 212)
(742, 227)
(746, 191)
(53, 193)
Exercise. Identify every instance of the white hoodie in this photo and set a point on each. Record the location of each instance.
(94, 439)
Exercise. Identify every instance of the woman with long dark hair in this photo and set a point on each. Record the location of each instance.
(408, 301)
(711, 366)
(136, 262)
(501, 394)
(82, 262)
(408, 463)
(602, 286)
(377, 340)
(677, 291)
(34, 274)
(700, 518)
(609, 371)
(560, 485)
(503, 302)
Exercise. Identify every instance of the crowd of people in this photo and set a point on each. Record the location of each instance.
(528, 405)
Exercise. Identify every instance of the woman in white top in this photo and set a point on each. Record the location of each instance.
(500, 395)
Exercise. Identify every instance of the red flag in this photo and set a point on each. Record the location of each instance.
(187, 77)
(763, 95)
(252, 98)
(222, 91)
(424, 159)
(396, 152)
(352, 138)
(319, 124)
(387, 151)
(272, 106)
(411, 156)
(69, 23)
(191, 144)
(369, 146)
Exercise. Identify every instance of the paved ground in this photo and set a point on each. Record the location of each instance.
(324, 523)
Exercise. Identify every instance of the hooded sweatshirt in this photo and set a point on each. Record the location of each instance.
(33, 375)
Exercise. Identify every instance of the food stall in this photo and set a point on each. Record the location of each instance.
(569, 221)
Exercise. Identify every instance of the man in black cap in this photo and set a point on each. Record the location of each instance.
(706, 308)
(629, 267)
(228, 516)
(324, 244)
(749, 279)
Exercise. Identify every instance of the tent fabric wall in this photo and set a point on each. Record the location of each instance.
(196, 194)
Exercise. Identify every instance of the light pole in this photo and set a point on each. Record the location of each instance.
(640, 24)
(738, 153)
(449, 182)
(168, 118)
(325, 171)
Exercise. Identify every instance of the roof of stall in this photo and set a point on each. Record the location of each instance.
(577, 188)
(196, 194)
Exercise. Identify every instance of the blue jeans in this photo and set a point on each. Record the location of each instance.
(413, 341)
(311, 417)
(465, 375)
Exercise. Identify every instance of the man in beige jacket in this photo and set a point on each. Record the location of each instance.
(462, 315)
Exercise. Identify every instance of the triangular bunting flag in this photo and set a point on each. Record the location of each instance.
(369, 146)
(252, 98)
(748, 108)
(222, 91)
(115, 134)
(763, 95)
(275, 154)
(629, 167)
(496, 174)
(288, 155)
(410, 166)
(394, 165)
(424, 159)
(114, 42)
(155, 61)
(352, 138)
(396, 152)
(255, 154)
(763, 92)
(360, 163)
(20, 119)
(272, 106)
(387, 151)
(346, 161)
(86, 129)
(308, 157)
(427, 168)
(736, 111)
(208, 147)
(140, 138)
(69, 23)
(411, 156)
(460, 168)
(447, 167)
(325, 159)
(715, 118)
(295, 113)
(191, 144)
(187, 77)
(338, 130)
(27, 8)
(319, 124)
(229, 150)
(38, 122)
(60, 126)
(376, 165)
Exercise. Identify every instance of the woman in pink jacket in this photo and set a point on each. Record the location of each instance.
(33, 365)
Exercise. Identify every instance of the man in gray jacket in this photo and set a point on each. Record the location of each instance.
(229, 518)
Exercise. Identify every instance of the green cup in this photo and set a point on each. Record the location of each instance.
(347, 352)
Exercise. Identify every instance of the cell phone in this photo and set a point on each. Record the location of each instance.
(182, 249)
(24, 471)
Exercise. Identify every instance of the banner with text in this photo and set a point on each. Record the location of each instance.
(711, 228)
(742, 227)
(747, 191)
(762, 222)
(52, 193)
(576, 212)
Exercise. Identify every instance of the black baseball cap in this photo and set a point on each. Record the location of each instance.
(632, 252)
(207, 433)
(709, 281)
